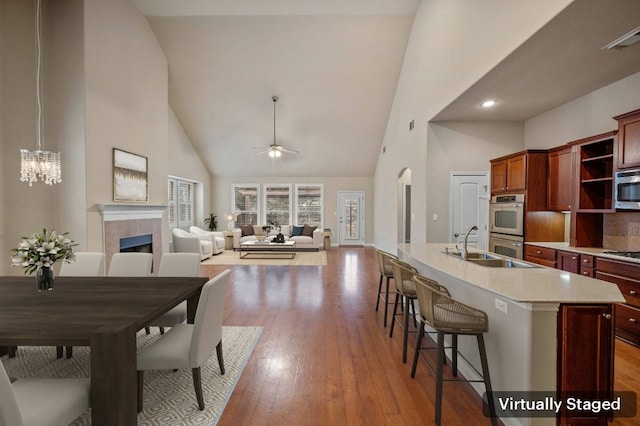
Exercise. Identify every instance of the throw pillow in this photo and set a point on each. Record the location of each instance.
(297, 230)
(247, 230)
(308, 230)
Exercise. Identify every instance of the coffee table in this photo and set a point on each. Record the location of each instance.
(267, 250)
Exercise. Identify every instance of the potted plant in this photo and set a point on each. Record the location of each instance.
(211, 222)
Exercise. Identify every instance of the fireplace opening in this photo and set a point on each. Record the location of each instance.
(138, 243)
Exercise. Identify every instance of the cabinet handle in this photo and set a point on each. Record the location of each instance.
(633, 320)
(574, 258)
(633, 292)
(538, 252)
(585, 260)
(607, 316)
(585, 273)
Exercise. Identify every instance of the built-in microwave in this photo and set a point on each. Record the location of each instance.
(627, 189)
(506, 214)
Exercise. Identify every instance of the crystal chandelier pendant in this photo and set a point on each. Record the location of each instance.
(39, 164)
(44, 165)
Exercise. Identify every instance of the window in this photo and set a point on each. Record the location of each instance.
(277, 204)
(244, 199)
(309, 204)
(181, 200)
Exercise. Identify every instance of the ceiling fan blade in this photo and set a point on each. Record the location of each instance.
(289, 151)
(264, 152)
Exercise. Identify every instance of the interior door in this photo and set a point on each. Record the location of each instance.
(469, 195)
(351, 226)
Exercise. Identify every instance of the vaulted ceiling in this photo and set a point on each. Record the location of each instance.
(335, 64)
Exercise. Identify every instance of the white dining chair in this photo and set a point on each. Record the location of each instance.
(86, 264)
(42, 402)
(190, 345)
(131, 264)
(176, 265)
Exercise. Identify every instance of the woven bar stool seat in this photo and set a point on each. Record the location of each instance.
(449, 316)
(403, 274)
(386, 271)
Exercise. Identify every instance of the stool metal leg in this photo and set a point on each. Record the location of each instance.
(393, 316)
(439, 374)
(416, 354)
(454, 355)
(386, 302)
(487, 379)
(405, 335)
(379, 292)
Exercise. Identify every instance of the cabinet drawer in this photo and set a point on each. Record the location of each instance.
(586, 260)
(586, 271)
(540, 252)
(615, 267)
(629, 288)
(541, 261)
(628, 322)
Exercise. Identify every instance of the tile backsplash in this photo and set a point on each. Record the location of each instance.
(622, 231)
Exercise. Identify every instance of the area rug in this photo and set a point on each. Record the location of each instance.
(169, 398)
(303, 258)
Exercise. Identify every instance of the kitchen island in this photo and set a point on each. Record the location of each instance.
(538, 318)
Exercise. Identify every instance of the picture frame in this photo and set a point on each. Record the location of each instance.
(130, 177)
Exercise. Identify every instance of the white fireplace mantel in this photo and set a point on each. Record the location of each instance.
(115, 211)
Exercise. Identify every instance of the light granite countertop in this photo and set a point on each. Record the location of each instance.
(594, 251)
(524, 285)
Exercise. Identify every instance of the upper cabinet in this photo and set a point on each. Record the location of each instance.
(628, 139)
(523, 172)
(560, 182)
(594, 173)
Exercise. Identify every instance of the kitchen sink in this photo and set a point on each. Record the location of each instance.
(501, 263)
(491, 260)
(474, 255)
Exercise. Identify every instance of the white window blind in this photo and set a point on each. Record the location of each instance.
(277, 202)
(309, 204)
(181, 203)
(245, 204)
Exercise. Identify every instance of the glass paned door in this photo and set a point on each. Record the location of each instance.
(351, 218)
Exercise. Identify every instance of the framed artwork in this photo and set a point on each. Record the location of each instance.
(130, 180)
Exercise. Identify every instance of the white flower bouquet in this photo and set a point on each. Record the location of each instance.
(42, 250)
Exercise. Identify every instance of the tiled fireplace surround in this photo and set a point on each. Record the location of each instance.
(130, 220)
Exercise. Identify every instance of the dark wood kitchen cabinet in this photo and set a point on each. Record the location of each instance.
(628, 139)
(560, 179)
(569, 261)
(585, 356)
(523, 172)
(627, 276)
(541, 255)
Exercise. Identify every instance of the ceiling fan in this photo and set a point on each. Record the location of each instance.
(274, 150)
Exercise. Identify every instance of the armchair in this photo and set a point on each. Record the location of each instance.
(217, 238)
(185, 242)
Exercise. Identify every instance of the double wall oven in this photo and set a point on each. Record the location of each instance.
(506, 225)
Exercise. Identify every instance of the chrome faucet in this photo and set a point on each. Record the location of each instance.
(465, 252)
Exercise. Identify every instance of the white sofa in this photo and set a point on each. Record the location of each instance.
(186, 242)
(217, 238)
(302, 242)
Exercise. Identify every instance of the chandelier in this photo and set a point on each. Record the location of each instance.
(39, 163)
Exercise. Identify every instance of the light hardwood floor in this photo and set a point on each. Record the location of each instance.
(324, 357)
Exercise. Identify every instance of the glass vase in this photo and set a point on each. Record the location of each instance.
(44, 278)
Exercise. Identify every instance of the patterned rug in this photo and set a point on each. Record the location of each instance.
(169, 398)
(303, 258)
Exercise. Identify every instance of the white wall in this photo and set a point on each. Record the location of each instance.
(586, 116)
(221, 200)
(126, 104)
(462, 146)
(452, 45)
(184, 162)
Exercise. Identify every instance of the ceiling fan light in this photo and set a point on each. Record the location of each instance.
(274, 153)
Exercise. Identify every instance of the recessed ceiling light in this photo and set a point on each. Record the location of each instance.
(488, 103)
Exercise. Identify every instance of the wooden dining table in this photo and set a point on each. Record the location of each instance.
(103, 313)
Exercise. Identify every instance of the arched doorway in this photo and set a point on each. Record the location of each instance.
(404, 206)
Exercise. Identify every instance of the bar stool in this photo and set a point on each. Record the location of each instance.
(449, 316)
(403, 274)
(386, 270)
